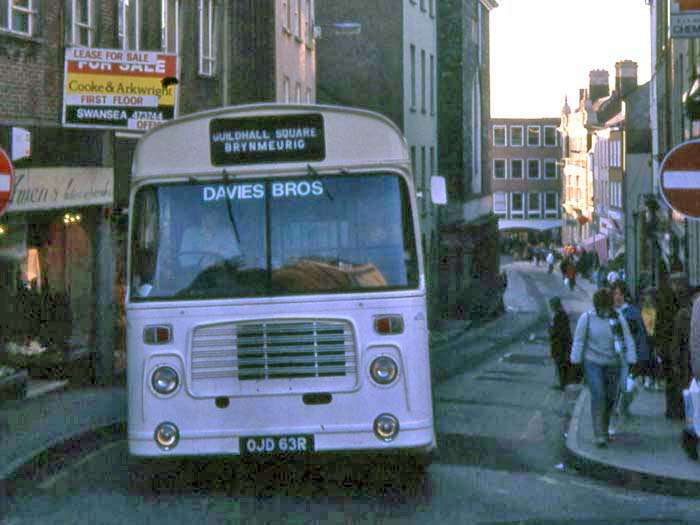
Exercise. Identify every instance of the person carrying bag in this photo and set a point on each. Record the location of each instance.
(604, 344)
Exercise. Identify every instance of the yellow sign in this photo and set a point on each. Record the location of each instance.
(117, 89)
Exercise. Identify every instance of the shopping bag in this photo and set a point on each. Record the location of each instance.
(693, 411)
(566, 281)
(689, 438)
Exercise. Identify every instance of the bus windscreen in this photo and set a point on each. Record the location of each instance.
(272, 237)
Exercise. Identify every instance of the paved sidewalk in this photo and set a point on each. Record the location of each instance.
(646, 448)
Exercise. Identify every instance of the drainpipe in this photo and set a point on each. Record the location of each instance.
(225, 53)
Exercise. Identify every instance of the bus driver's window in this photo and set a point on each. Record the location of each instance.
(145, 240)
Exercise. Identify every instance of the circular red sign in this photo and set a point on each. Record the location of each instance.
(7, 180)
(680, 179)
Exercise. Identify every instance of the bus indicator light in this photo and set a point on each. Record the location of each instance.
(158, 335)
(388, 324)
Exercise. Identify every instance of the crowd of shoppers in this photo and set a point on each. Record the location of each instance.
(622, 346)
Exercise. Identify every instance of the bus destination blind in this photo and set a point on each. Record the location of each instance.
(280, 138)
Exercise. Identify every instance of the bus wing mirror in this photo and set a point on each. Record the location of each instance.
(438, 190)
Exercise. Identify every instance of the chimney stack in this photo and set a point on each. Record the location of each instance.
(625, 77)
(599, 82)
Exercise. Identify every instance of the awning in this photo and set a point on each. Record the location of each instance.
(598, 243)
(529, 224)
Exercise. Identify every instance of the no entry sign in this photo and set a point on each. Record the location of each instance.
(6, 180)
(680, 179)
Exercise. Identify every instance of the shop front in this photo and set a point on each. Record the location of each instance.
(48, 268)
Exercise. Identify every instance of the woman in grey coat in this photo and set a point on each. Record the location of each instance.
(603, 343)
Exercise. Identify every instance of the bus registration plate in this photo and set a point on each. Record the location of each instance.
(300, 444)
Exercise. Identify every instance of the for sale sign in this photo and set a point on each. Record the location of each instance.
(685, 18)
(118, 89)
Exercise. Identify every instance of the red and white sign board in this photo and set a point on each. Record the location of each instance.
(7, 178)
(680, 179)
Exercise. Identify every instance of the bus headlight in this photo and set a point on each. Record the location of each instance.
(165, 380)
(386, 427)
(166, 435)
(384, 370)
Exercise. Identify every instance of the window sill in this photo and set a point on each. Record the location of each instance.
(21, 36)
(412, 109)
(298, 39)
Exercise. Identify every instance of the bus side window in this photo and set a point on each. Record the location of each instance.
(145, 241)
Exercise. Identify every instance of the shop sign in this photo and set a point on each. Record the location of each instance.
(284, 138)
(6, 180)
(49, 188)
(118, 89)
(685, 18)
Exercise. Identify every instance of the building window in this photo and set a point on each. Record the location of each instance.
(516, 168)
(550, 136)
(431, 8)
(18, 16)
(170, 24)
(287, 15)
(413, 77)
(128, 24)
(551, 208)
(207, 40)
(499, 136)
(309, 24)
(297, 93)
(500, 203)
(297, 19)
(422, 82)
(533, 135)
(432, 84)
(550, 169)
(517, 204)
(432, 161)
(499, 169)
(533, 168)
(308, 95)
(533, 205)
(516, 135)
(82, 28)
(422, 5)
(286, 90)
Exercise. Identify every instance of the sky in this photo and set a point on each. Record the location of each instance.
(542, 50)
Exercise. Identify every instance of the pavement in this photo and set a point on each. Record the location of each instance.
(646, 448)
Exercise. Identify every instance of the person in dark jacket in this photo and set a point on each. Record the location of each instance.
(679, 355)
(666, 309)
(560, 342)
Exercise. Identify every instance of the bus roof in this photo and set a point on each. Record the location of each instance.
(349, 138)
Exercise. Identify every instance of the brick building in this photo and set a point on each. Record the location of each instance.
(525, 173)
(61, 241)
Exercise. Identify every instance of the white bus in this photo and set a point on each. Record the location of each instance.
(276, 299)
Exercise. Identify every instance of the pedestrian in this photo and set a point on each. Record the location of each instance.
(602, 341)
(571, 274)
(560, 342)
(633, 316)
(652, 375)
(679, 355)
(666, 309)
(550, 261)
(694, 343)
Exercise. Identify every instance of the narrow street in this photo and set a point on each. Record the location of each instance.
(500, 460)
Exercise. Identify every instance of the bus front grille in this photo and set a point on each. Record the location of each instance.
(273, 350)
